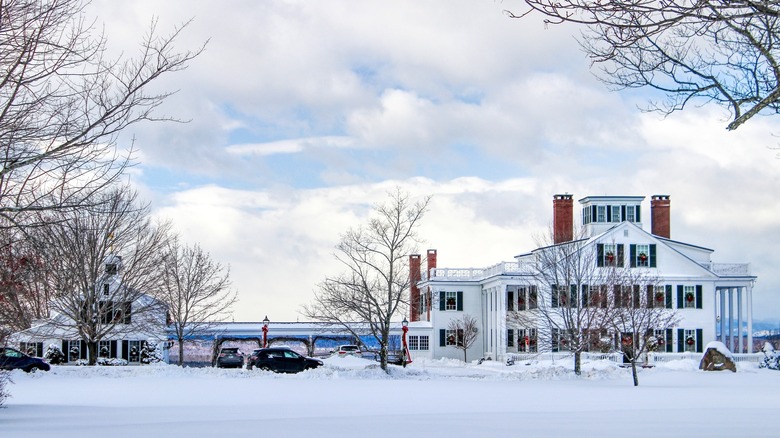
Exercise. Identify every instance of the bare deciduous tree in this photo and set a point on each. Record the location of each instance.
(24, 292)
(374, 287)
(465, 331)
(716, 51)
(568, 317)
(640, 313)
(196, 290)
(104, 263)
(63, 104)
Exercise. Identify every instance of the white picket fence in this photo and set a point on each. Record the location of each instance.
(652, 359)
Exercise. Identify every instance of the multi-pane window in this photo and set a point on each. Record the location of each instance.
(451, 301)
(630, 216)
(615, 213)
(642, 255)
(601, 213)
(424, 343)
(74, 350)
(526, 340)
(689, 343)
(414, 342)
(689, 297)
(586, 216)
(34, 349)
(658, 297)
(453, 337)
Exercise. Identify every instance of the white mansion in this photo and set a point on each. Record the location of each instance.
(712, 300)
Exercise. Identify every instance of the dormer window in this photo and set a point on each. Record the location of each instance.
(105, 289)
(111, 268)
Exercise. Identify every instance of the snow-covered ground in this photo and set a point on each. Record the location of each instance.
(351, 397)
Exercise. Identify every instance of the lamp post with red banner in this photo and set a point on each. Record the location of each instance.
(265, 331)
(405, 328)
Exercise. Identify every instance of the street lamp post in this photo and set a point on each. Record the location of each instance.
(265, 331)
(405, 328)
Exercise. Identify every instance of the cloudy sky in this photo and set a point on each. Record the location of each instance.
(303, 114)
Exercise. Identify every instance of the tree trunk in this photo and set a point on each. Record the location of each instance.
(633, 372)
(578, 362)
(181, 351)
(92, 352)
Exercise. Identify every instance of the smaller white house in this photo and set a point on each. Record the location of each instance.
(128, 327)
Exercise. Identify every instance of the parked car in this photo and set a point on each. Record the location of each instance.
(230, 358)
(13, 359)
(347, 350)
(282, 360)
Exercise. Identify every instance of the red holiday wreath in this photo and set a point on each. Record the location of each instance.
(690, 341)
(659, 296)
(689, 297)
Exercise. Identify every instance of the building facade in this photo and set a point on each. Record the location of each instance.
(713, 301)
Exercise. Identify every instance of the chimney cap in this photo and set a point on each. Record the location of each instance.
(660, 197)
(562, 196)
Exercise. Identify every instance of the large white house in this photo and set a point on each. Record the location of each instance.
(712, 300)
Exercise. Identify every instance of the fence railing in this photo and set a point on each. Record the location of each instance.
(652, 358)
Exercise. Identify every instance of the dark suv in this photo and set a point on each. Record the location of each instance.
(13, 359)
(230, 358)
(281, 360)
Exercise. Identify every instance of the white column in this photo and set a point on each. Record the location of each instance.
(731, 319)
(723, 316)
(715, 314)
(739, 320)
(749, 293)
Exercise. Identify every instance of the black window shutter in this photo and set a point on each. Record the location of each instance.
(39, 349)
(83, 345)
(699, 340)
(128, 312)
(652, 255)
(680, 340)
(669, 340)
(65, 350)
(113, 350)
(632, 255)
(637, 216)
(460, 301)
(636, 303)
(125, 350)
(617, 293)
(599, 254)
(698, 296)
(595, 213)
(622, 213)
(554, 295)
(609, 213)
(573, 296)
(679, 296)
(442, 340)
(510, 301)
(510, 338)
(650, 296)
(668, 296)
(441, 301)
(584, 295)
(620, 255)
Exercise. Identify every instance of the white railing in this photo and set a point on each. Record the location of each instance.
(728, 268)
(473, 274)
(652, 358)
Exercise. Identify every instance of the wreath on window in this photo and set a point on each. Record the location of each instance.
(689, 297)
(626, 340)
(659, 296)
(642, 257)
(690, 340)
(610, 256)
(660, 340)
(450, 302)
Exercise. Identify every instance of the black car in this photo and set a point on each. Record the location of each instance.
(230, 358)
(13, 359)
(281, 360)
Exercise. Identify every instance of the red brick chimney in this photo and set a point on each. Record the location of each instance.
(414, 291)
(659, 211)
(563, 218)
(431, 261)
